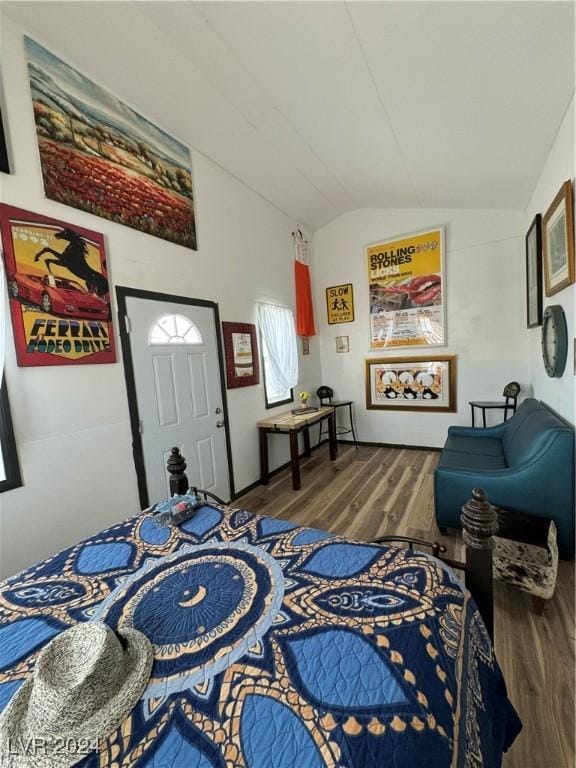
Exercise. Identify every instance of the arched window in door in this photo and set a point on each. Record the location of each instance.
(175, 329)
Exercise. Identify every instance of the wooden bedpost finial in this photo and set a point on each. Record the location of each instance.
(479, 524)
(176, 466)
(479, 521)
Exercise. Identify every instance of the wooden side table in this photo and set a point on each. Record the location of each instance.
(291, 424)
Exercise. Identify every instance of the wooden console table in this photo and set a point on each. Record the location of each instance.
(290, 424)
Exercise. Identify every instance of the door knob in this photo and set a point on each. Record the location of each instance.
(220, 424)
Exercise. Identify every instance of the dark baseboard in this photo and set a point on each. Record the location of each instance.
(392, 445)
(282, 467)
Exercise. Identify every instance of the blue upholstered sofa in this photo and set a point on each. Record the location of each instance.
(525, 464)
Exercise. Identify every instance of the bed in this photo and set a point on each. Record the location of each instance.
(276, 646)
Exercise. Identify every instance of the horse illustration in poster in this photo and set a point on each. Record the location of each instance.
(74, 259)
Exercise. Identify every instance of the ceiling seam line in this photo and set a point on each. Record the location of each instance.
(219, 165)
(381, 100)
(519, 236)
(274, 107)
(240, 112)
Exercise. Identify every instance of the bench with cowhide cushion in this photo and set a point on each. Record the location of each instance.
(526, 555)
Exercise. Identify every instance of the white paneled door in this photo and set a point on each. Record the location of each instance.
(178, 390)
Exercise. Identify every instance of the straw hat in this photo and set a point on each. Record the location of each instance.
(85, 683)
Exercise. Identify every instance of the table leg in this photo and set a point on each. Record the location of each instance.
(264, 472)
(295, 460)
(306, 432)
(484, 417)
(332, 436)
(472, 409)
(352, 425)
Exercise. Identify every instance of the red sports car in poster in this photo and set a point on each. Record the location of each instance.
(58, 296)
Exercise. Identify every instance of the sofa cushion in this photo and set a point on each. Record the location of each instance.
(475, 461)
(531, 435)
(482, 446)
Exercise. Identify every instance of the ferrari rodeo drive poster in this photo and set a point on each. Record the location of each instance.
(407, 303)
(58, 287)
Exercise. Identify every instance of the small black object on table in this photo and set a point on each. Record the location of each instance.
(511, 392)
(325, 395)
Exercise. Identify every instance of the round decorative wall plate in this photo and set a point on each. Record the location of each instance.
(554, 341)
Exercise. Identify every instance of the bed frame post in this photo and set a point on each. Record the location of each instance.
(479, 524)
(176, 467)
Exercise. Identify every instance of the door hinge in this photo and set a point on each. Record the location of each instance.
(128, 324)
(140, 427)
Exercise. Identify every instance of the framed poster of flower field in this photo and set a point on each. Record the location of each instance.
(411, 383)
(99, 155)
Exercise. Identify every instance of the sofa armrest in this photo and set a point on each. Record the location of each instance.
(496, 431)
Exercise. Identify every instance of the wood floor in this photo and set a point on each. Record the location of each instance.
(371, 492)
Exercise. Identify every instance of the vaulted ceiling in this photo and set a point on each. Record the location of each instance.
(325, 107)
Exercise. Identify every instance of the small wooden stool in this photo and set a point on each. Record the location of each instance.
(526, 555)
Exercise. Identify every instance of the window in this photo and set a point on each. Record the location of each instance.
(279, 353)
(9, 468)
(273, 395)
(175, 329)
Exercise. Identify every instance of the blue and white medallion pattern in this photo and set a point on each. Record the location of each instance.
(275, 646)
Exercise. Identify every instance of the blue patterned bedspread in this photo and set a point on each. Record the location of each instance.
(276, 646)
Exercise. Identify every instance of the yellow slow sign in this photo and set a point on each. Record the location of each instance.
(340, 304)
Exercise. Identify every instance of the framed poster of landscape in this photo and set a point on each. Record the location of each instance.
(411, 383)
(534, 273)
(558, 241)
(241, 349)
(99, 155)
(406, 291)
(59, 293)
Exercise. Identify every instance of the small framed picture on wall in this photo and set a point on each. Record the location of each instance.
(241, 349)
(4, 161)
(342, 344)
(534, 273)
(558, 241)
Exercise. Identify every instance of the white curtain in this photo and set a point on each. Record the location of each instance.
(279, 334)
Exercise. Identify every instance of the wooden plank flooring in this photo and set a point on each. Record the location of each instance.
(373, 492)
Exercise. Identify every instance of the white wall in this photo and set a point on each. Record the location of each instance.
(560, 394)
(71, 423)
(485, 317)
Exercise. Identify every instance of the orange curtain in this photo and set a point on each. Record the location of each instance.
(304, 309)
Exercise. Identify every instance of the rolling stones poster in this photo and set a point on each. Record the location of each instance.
(58, 288)
(407, 297)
